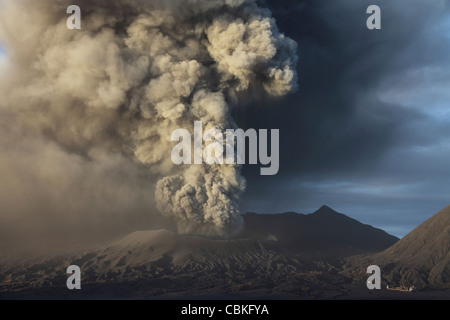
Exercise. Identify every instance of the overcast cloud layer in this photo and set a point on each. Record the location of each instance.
(368, 133)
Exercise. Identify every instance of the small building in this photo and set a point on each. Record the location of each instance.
(402, 288)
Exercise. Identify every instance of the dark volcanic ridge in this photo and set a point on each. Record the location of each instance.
(324, 232)
(276, 256)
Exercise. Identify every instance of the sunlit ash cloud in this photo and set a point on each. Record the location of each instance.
(110, 95)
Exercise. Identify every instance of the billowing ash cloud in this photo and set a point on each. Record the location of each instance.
(136, 71)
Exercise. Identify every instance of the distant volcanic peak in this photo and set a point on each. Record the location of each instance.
(326, 210)
(323, 230)
(323, 210)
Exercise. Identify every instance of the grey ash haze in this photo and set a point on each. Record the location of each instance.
(368, 132)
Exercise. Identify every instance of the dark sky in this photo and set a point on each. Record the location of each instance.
(368, 132)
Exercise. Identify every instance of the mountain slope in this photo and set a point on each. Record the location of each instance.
(421, 258)
(324, 230)
(285, 255)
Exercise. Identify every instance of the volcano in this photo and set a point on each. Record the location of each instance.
(420, 259)
(286, 255)
(324, 231)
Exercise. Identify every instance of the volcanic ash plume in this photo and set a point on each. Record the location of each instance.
(136, 71)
